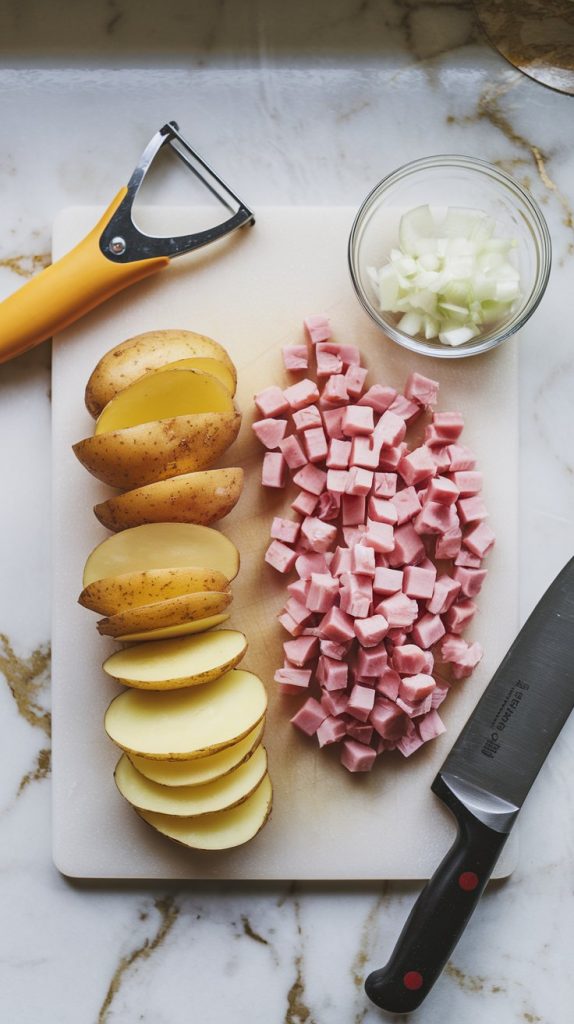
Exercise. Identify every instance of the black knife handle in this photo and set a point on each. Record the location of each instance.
(440, 913)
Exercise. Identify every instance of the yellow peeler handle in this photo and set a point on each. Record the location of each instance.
(62, 293)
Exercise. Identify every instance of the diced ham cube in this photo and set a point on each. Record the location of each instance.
(448, 544)
(355, 377)
(428, 631)
(363, 560)
(460, 457)
(409, 744)
(332, 419)
(387, 581)
(304, 392)
(354, 535)
(436, 519)
(307, 564)
(415, 688)
(390, 430)
(341, 561)
(357, 419)
(280, 556)
(310, 478)
(292, 680)
(359, 481)
(315, 444)
(334, 674)
(470, 580)
(335, 390)
(417, 466)
(409, 548)
(410, 660)
(459, 616)
(301, 650)
(407, 504)
(309, 717)
(371, 661)
(289, 624)
(480, 539)
(334, 703)
(285, 530)
(328, 361)
(339, 454)
(322, 592)
(305, 503)
(379, 398)
(318, 535)
(354, 603)
(387, 719)
(421, 389)
(407, 410)
(365, 453)
(299, 589)
(370, 631)
(318, 328)
(337, 480)
(465, 667)
(442, 490)
(274, 470)
(306, 418)
(357, 757)
(467, 559)
(382, 511)
(440, 458)
(328, 506)
(271, 401)
(385, 485)
(333, 650)
(453, 648)
(337, 625)
(445, 591)
(361, 702)
(430, 726)
(388, 683)
(353, 506)
(269, 431)
(418, 582)
(414, 708)
(472, 509)
(469, 482)
(295, 357)
(359, 731)
(390, 458)
(331, 730)
(448, 425)
(292, 452)
(439, 694)
(380, 537)
(298, 610)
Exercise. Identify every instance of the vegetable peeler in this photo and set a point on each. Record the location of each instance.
(112, 256)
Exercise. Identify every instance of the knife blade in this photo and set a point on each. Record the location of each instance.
(484, 782)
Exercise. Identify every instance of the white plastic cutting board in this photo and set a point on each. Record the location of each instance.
(251, 293)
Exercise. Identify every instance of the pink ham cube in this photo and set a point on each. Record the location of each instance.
(289, 624)
(309, 563)
(385, 485)
(380, 537)
(414, 708)
(390, 458)
(409, 548)
(292, 452)
(460, 457)
(363, 560)
(341, 561)
(331, 731)
(295, 357)
(354, 603)
(292, 680)
(480, 539)
(280, 556)
(357, 419)
(332, 419)
(322, 592)
(334, 650)
(417, 465)
(370, 631)
(315, 444)
(407, 504)
(472, 509)
(378, 397)
(355, 377)
(407, 410)
(440, 458)
(399, 610)
(353, 506)
(448, 425)
(365, 453)
(371, 661)
(387, 581)
(418, 582)
(339, 454)
(335, 674)
(410, 660)
(387, 719)
(318, 536)
(448, 544)
(464, 667)
(337, 480)
(304, 392)
(436, 518)
(298, 610)
(328, 361)
(428, 631)
(416, 688)
(445, 591)
(306, 418)
(335, 391)
(301, 650)
(270, 432)
(459, 616)
(361, 702)
(298, 589)
(470, 580)
(469, 482)
(337, 625)
(390, 430)
(421, 389)
(328, 506)
(359, 481)
(305, 503)
(271, 401)
(309, 717)
(334, 703)
(442, 490)
(357, 757)
(285, 530)
(382, 511)
(430, 726)
(408, 744)
(467, 559)
(311, 478)
(274, 470)
(359, 731)
(318, 328)
(388, 683)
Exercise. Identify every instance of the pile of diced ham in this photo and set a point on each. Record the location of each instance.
(369, 612)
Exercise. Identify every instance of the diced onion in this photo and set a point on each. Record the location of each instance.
(450, 277)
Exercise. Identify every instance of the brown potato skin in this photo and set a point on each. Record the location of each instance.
(158, 450)
(188, 498)
(115, 594)
(138, 355)
(187, 608)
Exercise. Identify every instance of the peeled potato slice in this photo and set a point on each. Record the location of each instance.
(221, 830)
(185, 724)
(185, 801)
(154, 451)
(170, 664)
(202, 769)
(199, 626)
(201, 497)
(161, 396)
(153, 350)
(187, 608)
(162, 546)
(131, 589)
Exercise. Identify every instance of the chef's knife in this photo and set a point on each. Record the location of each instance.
(484, 782)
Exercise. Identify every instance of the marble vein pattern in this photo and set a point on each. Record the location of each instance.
(300, 104)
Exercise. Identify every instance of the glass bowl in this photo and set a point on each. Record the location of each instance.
(451, 181)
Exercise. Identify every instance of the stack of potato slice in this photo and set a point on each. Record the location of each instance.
(190, 723)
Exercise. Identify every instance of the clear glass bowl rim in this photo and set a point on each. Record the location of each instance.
(538, 226)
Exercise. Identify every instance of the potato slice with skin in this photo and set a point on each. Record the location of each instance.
(160, 396)
(180, 725)
(174, 611)
(158, 450)
(150, 351)
(202, 497)
(207, 365)
(131, 589)
(170, 664)
(203, 769)
(185, 628)
(161, 546)
(222, 830)
(185, 801)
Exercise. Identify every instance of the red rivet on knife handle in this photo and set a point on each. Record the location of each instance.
(413, 980)
(468, 881)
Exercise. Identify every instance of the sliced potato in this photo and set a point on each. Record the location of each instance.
(150, 351)
(185, 724)
(199, 626)
(162, 546)
(219, 831)
(202, 769)
(202, 497)
(154, 451)
(170, 664)
(131, 589)
(207, 365)
(161, 396)
(185, 801)
(173, 612)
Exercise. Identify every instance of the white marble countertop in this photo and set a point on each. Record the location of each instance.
(298, 108)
